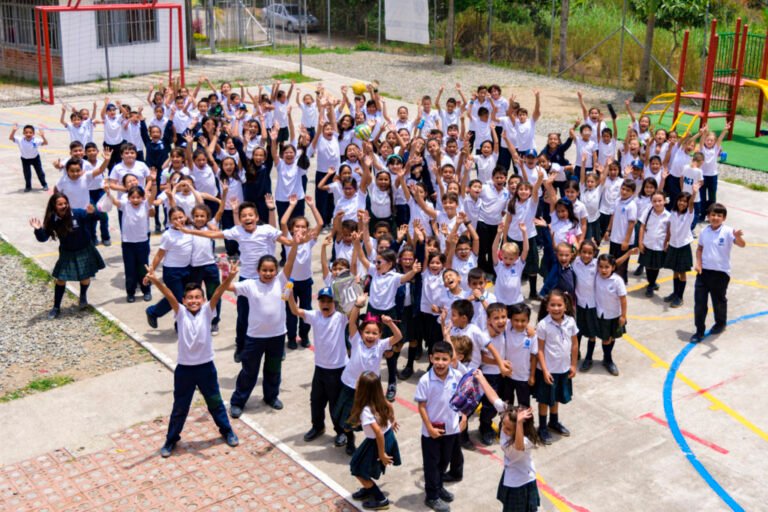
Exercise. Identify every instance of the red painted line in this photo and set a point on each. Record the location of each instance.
(713, 386)
(229, 298)
(746, 211)
(692, 437)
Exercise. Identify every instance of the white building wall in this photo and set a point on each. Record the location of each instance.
(84, 61)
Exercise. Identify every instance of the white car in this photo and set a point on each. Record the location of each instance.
(290, 17)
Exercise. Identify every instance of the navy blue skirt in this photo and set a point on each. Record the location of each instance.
(365, 461)
(518, 499)
(679, 259)
(78, 265)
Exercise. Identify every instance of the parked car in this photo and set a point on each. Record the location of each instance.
(290, 17)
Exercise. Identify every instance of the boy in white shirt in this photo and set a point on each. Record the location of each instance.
(195, 368)
(29, 145)
(441, 425)
(621, 228)
(713, 269)
(331, 357)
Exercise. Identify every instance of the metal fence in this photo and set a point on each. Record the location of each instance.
(227, 25)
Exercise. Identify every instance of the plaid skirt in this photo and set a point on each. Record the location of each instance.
(652, 259)
(343, 408)
(78, 265)
(365, 461)
(679, 259)
(518, 499)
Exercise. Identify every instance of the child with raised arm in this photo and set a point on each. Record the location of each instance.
(713, 270)
(195, 367)
(29, 145)
(367, 349)
(330, 359)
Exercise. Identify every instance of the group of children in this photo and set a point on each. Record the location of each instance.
(433, 223)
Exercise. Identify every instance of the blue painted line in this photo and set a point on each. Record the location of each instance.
(669, 412)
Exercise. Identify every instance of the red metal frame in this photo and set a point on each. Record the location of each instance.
(761, 97)
(41, 18)
(742, 44)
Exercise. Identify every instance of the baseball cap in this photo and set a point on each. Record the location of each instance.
(638, 164)
(394, 157)
(530, 152)
(325, 292)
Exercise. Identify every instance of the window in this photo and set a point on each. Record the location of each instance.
(17, 22)
(126, 27)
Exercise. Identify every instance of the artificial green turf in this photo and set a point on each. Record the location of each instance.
(743, 151)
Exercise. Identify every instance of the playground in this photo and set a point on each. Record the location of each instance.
(736, 65)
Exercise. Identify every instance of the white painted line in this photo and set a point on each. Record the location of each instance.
(171, 365)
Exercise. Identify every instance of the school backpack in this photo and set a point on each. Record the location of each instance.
(468, 394)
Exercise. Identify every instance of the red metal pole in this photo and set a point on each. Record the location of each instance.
(48, 57)
(681, 74)
(39, 53)
(170, 47)
(737, 81)
(761, 95)
(181, 46)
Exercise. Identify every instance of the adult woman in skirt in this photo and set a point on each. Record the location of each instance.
(78, 258)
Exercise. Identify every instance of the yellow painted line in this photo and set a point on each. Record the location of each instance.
(717, 404)
(559, 504)
(753, 284)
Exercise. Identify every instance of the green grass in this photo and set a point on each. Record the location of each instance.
(38, 386)
(14, 80)
(391, 96)
(294, 75)
(752, 186)
(364, 46)
(285, 49)
(34, 272)
(109, 328)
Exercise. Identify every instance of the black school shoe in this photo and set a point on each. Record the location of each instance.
(361, 494)
(313, 434)
(350, 449)
(717, 329)
(487, 438)
(406, 373)
(612, 368)
(559, 428)
(374, 504)
(586, 365)
(292, 344)
(448, 478)
(340, 440)
(545, 436)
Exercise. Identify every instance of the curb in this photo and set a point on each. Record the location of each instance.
(171, 365)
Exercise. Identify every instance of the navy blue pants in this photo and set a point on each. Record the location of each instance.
(208, 275)
(101, 218)
(228, 221)
(185, 380)
(708, 194)
(714, 284)
(135, 259)
(436, 454)
(175, 278)
(486, 233)
(27, 164)
(271, 349)
(302, 292)
(326, 386)
(323, 200)
(488, 411)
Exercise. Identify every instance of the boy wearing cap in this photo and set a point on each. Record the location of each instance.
(329, 327)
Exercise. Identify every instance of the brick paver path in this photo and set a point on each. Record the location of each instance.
(202, 474)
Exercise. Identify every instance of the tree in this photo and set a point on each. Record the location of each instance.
(564, 11)
(449, 33)
(643, 83)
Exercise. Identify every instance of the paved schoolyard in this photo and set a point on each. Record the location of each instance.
(632, 440)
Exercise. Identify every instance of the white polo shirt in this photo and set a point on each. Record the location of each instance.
(113, 129)
(202, 251)
(480, 318)
(330, 348)
(253, 245)
(716, 248)
(266, 315)
(656, 225)
(585, 149)
(437, 394)
(77, 191)
(525, 213)
(480, 340)
(463, 267)
(28, 148)
(177, 247)
(138, 169)
(611, 191)
(205, 179)
(194, 333)
(608, 290)
(624, 212)
(492, 203)
(362, 359)
(508, 282)
(431, 289)
(690, 176)
(383, 288)
(367, 418)
(518, 349)
(557, 342)
(680, 233)
(289, 181)
(591, 200)
(498, 343)
(518, 464)
(485, 166)
(135, 226)
(585, 282)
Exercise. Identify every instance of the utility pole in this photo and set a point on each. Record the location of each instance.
(449, 31)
